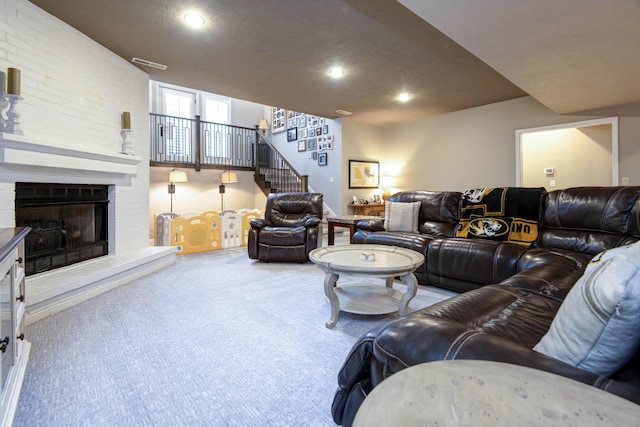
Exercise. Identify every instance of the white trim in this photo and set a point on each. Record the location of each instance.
(613, 121)
(27, 152)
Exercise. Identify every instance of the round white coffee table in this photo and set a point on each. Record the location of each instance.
(378, 261)
(483, 393)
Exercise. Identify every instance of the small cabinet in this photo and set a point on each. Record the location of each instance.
(14, 348)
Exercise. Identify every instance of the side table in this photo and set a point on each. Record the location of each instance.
(367, 209)
(484, 393)
(347, 221)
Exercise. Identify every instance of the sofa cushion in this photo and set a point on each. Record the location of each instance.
(598, 325)
(508, 214)
(400, 216)
(465, 264)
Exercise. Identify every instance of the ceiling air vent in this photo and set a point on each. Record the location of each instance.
(344, 113)
(148, 63)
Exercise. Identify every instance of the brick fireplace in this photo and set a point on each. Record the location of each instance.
(90, 262)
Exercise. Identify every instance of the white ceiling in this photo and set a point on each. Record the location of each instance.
(571, 55)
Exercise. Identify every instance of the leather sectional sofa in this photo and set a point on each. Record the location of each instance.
(509, 293)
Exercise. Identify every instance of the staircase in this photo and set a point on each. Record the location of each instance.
(273, 173)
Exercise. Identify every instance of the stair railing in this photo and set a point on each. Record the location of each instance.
(273, 172)
(182, 142)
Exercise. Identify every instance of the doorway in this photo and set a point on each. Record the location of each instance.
(568, 155)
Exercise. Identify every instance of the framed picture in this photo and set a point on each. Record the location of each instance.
(302, 133)
(325, 129)
(322, 159)
(302, 121)
(364, 174)
(302, 145)
(312, 132)
(292, 134)
(312, 144)
(314, 155)
(278, 120)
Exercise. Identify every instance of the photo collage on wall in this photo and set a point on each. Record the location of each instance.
(311, 133)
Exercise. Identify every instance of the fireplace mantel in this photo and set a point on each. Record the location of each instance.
(23, 151)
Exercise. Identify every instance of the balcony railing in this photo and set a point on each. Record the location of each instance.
(181, 142)
(176, 140)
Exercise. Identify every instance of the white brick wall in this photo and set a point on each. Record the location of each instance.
(74, 92)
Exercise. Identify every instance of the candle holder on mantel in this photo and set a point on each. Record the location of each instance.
(12, 124)
(4, 103)
(127, 144)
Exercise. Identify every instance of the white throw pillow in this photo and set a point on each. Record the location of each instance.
(401, 216)
(597, 327)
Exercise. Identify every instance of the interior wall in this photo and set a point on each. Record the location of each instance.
(578, 156)
(362, 142)
(471, 148)
(201, 193)
(74, 92)
(322, 179)
(629, 146)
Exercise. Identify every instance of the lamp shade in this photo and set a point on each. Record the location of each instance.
(229, 177)
(263, 125)
(177, 175)
(386, 181)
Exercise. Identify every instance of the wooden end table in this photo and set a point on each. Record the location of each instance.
(347, 221)
(367, 208)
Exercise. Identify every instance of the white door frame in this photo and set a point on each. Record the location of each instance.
(613, 121)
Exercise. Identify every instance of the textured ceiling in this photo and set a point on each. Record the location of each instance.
(571, 55)
(277, 52)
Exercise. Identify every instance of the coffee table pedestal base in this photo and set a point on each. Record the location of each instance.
(367, 298)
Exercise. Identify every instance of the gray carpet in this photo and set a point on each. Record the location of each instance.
(215, 340)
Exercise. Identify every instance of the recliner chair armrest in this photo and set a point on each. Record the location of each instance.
(370, 225)
(259, 223)
(312, 221)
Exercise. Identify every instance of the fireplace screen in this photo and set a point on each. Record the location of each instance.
(68, 223)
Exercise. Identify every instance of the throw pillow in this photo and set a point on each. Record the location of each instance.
(401, 216)
(597, 327)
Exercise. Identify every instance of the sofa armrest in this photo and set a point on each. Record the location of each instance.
(354, 374)
(399, 346)
(370, 225)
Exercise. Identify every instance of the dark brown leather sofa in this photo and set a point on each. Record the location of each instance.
(510, 294)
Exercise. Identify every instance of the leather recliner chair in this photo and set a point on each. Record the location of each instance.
(290, 228)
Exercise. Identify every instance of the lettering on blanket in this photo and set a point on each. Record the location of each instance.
(506, 214)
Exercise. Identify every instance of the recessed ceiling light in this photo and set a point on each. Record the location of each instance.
(344, 113)
(336, 72)
(403, 97)
(194, 19)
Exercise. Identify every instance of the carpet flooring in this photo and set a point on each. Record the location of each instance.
(216, 339)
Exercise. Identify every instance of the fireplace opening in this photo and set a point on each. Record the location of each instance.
(68, 223)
